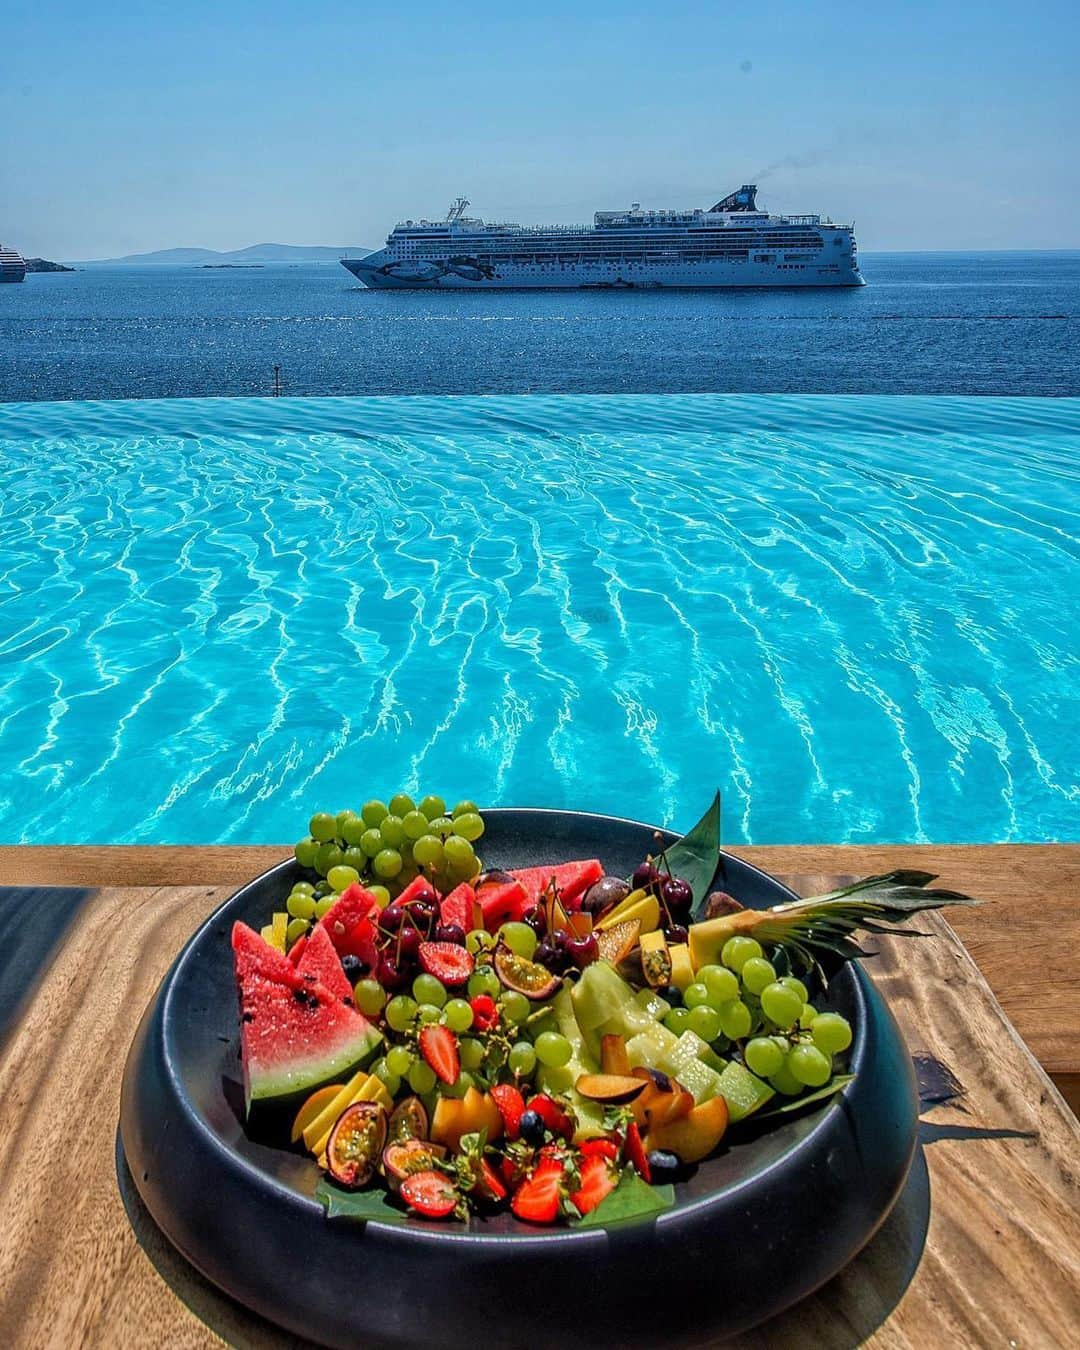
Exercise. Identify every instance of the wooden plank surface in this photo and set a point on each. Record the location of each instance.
(1023, 937)
(982, 1249)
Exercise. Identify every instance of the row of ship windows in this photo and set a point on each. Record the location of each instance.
(727, 238)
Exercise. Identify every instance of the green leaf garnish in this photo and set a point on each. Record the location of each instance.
(830, 1089)
(696, 856)
(632, 1199)
(357, 1206)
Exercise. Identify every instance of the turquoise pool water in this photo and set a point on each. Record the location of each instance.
(857, 615)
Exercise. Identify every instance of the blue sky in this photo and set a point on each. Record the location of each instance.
(932, 125)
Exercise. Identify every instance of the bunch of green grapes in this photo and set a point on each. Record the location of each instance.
(784, 1038)
(388, 845)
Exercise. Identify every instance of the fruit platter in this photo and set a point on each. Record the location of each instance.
(443, 1050)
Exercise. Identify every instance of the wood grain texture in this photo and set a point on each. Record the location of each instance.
(983, 1248)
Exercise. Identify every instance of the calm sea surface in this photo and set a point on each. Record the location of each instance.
(927, 323)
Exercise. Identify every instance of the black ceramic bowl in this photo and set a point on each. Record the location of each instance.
(768, 1220)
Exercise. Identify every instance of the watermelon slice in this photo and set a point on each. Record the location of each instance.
(502, 901)
(460, 907)
(295, 1034)
(417, 888)
(320, 962)
(572, 879)
(349, 926)
(296, 951)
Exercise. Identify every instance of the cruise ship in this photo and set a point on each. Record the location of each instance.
(731, 244)
(12, 267)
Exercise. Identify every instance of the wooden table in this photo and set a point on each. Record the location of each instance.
(982, 1249)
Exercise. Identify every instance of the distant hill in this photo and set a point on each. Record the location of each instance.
(195, 257)
(43, 265)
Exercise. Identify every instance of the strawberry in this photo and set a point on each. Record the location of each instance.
(446, 961)
(430, 1194)
(537, 1198)
(596, 1182)
(511, 1106)
(603, 1147)
(635, 1151)
(438, 1045)
(489, 1185)
(485, 1012)
(552, 1114)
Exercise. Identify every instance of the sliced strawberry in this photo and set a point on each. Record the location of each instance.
(430, 1194)
(596, 1182)
(489, 1185)
(439, 1046)
(511, 1106)
(536, 1200)
(552, 1114)
(485, 1012)
(602, 1147)
(447, 962)
(635, 1151)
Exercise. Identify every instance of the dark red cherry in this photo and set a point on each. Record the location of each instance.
(584, 950)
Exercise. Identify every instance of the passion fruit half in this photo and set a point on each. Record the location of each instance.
(356, 1144)
(526, 977)
(409, 1120)
(409, 1156)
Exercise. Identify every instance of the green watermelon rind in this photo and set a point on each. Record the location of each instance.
(302, 1076)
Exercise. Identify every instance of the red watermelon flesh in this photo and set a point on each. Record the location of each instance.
(500, 902)
(295, 1034)
(349, 926)
(321, 962)
(572, 879)
(296, 951)
(460, 907)
(417, 888)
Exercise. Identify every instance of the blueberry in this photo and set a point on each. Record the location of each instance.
(531, 1127)
(663, 1166)
(353, 967)
(672, 995)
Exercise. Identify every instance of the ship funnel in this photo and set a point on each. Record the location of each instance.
(745, 199)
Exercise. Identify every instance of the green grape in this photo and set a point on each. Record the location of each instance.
(354, 857)
(400, 1012)
(478, 940)
(373, 813)
(304, 852)
(464, 809)
(520, 938)
(326, 857)
(784, 1081)
(427, 1013)
(428, 851)
(781, 1004)
(300, 906)
(469, 826)
(806, 1017)
(483, 980)
(341, 876)
(810, 1066)
(387, 863)
(303, 888)
(432, 807)
(705, 1021)
(369, 997)
(399, 1060)
(342, 817)
(323, 888)
(457, 1014)
(325, 905)
(516, 1007)
(695, 994)
(831, 1033)
(798, 986)
(678, 1020)
(763, 1056)
(371, 842)
(553, 1049)
(415, 825)
(738, 950)
(459, 852)
(401, 804)
(322, 827)
(392, 831)
(735, 1020)
(296, 929)
(422, 1077)
(722, 985)
(353, 830)
(442, 826)
(522, 1059)
(381, 895)
(427, 989)
(391, 1081)
(756, 974)
(471, 1052)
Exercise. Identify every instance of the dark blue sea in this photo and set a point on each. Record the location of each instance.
(948, 323)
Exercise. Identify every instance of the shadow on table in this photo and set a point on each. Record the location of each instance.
(34, 921)
(841, 1315)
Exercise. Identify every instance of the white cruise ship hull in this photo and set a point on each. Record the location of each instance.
(383, 271)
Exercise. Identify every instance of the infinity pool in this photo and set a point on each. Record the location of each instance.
(857, 616)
